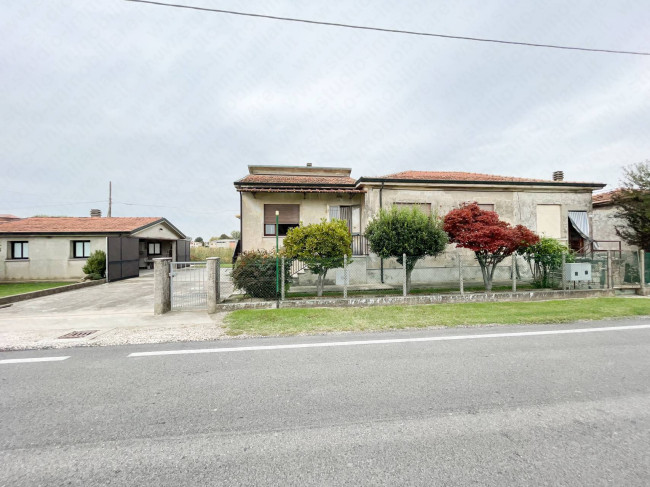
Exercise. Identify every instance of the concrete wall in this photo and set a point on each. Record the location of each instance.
(605, 223)
(313, 207)
(50, 258)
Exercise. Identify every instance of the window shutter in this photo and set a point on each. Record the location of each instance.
(289, 214)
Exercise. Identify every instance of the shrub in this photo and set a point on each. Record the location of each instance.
(545, 261)
(96, 264)
(254, 273)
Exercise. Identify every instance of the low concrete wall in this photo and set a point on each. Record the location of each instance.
(47, 292)
(428, 299)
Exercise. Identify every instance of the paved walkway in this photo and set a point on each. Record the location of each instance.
(121, 312)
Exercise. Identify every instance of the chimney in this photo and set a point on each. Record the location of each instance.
(558, 176)
(95, 213)
(309, 164)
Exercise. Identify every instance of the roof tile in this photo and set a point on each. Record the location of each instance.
(54, 224)
(302, 180)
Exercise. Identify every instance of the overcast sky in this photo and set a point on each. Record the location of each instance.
(172, 105)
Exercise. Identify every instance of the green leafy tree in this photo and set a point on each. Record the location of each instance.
(409, 231)
(236, 234)
(96, 265)
(633, 202)
(321, 246)
(544, 259)
(199, 239)
(224, 237)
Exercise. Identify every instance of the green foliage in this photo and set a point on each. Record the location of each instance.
(236, 234)
(255, 274)
(199, 239)
(406, 231)
(545, 259)
(633, 202)
(96, 264)
(202, 253)
(224, 237)
(321, 246)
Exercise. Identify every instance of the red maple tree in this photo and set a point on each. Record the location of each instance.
(491, 239)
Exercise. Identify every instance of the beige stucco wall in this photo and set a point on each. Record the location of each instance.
(605, 223)
(49, 258)
(313, 207)
(514, 206)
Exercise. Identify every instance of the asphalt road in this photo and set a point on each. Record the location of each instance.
(555, 409)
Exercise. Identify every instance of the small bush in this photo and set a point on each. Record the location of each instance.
(94, 277)
(96, 264)
(254, 273)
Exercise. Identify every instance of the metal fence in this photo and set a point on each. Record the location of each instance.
(188, 286)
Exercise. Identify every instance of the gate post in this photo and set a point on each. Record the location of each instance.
(162, 296)
(212, 284)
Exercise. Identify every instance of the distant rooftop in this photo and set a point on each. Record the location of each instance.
(60, 224)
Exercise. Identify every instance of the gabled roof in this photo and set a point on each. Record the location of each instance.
(69, 225)
(471, 178)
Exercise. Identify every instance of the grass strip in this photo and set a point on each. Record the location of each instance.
(321, 320)
(10, 289)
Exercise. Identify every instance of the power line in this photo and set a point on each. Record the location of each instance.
(57, 204)
(392, 31)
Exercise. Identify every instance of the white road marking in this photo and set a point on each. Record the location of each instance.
(391, 340)
(29, 360)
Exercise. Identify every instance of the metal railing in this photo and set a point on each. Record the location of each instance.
(360, 245)
(187, 285)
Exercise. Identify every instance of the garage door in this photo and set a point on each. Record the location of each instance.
(122, 259)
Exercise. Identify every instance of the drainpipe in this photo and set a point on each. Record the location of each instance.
(380, 207)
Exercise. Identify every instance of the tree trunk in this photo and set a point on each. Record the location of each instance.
(320, 284)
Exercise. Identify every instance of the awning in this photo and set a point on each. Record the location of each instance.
(580, 223)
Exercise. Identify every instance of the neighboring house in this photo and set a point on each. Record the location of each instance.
(197, 244)
(45, 248)
(606, 222)
(554, 208)
(230, 243)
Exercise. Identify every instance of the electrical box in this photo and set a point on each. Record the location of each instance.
(577, 272)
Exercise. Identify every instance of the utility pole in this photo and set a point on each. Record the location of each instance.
(110, 200)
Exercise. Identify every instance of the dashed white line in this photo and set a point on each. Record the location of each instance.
(390, 341)
(30, 360)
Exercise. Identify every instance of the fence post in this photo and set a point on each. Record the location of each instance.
(460, 274)
(642, 270)
(162, 296)
(514, 273)
(563, 272)
(610, 274)
(282, 271)
(345, 276)
(404, 274)
(212, 284)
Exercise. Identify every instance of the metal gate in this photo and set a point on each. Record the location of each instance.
(123, 258)
(187, 285)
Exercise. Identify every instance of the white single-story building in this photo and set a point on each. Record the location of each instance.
(48, 248)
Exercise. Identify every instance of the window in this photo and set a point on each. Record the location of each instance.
(80, 249)
(154, 248)
(350, 214)
(549, 221)
(19, 250)
(423, 207)
(486, 206)
(288, 217)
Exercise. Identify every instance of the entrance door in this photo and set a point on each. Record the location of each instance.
(122, 259)
(182, 251)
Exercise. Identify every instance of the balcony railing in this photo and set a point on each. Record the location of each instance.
(360, 245)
